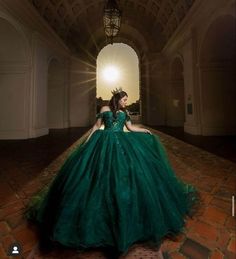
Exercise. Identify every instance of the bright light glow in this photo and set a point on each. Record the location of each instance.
(124, 60)
(111, 74)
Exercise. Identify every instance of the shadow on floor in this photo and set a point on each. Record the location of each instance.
(33, 155)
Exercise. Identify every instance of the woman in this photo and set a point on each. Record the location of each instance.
(116, 104)
(116, 189)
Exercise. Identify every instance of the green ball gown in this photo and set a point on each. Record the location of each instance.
(115, 190)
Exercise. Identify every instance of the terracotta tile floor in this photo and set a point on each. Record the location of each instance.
(223, 146)
(26, 166)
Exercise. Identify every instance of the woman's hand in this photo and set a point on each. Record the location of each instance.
(133, 128)
(147, 131)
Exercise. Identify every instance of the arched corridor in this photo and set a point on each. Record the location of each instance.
(186, 91)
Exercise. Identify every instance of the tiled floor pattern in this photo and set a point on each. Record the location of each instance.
(209, 234)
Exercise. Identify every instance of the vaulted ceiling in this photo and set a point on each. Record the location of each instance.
(79, 22)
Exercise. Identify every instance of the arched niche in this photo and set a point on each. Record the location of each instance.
(55, 94)
(176, 100)
(14, 98)
(217, 66)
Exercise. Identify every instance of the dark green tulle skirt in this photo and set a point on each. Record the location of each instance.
(115, 190)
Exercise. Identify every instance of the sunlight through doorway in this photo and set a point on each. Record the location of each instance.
(118, 66)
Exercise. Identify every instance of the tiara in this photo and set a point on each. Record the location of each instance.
(115, 91)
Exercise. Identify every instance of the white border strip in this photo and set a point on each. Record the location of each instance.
(233, 206)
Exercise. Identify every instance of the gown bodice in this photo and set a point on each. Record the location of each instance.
(111, 123)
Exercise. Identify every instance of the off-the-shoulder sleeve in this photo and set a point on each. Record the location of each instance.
(99, 115)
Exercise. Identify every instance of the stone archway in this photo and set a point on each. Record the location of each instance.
(55, 96)
(217, 66)
(140, 46)
(176, 103)
(146, 25)
(14, 94)
(125, 61)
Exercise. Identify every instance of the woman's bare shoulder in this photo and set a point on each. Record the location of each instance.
(105, 108)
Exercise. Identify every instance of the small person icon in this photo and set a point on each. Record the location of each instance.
(14, 249)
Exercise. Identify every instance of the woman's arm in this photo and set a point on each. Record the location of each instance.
(97, 124)
(95, 127)
(131, 127)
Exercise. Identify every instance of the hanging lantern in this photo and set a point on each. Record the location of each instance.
(111, 20)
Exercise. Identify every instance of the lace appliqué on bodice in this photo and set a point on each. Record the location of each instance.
(111, 123)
